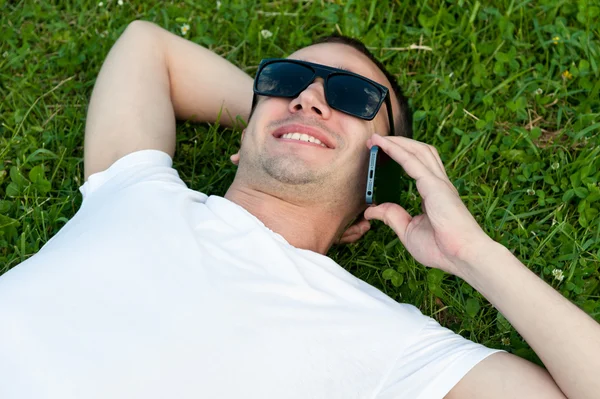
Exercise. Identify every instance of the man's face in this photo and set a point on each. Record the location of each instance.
(335, 173)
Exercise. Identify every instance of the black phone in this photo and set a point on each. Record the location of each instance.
(385, 178)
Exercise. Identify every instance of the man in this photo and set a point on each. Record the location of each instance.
(153, 290)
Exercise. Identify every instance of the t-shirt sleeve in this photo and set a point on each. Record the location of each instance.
(432, 365)
(133, 168)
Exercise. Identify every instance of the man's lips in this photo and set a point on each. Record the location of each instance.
(323, 138)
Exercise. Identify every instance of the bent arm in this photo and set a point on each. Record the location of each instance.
(149, 78)
(565, 338)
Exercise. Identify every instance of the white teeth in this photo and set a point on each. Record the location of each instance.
(303, 137)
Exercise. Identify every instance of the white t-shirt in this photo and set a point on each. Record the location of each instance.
(153, 290)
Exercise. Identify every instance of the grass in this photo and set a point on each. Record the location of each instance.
(509, 95)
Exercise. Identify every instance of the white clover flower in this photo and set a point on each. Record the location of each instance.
(530, 191)
(539, 91)
(555, 165)
(185, 29)
(266, 33)
(218, 5)
(120, 2)
(558, 274)
(101, 4)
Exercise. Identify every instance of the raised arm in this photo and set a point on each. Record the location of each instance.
(447, 237)
(149, 78)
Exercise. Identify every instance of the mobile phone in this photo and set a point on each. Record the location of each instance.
(385, 178)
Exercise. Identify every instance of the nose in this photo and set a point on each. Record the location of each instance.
(312, 101)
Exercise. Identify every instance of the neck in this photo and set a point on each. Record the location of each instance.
(312, 226)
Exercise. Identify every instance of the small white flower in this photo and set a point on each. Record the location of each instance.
(218, 5)
(555, 165)
(266, 33)
(5, 54)
(539, 91)
(101, 4)
(184, 29)
(505, 341)
(120, 2)
(530, 191)
(558, 274)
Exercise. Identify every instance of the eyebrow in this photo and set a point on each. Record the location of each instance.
(342, 68)
(334, 66)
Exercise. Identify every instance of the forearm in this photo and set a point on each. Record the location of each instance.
(149, 79)
(203, 85)
(565, 338)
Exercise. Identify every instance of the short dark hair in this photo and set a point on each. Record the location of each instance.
(403, 124)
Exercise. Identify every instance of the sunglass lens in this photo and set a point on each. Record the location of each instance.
(354, 96)
(285, 79)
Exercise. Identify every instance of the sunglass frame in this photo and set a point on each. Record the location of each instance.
(325, 72)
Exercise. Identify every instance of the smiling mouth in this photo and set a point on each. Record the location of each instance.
(303, 137)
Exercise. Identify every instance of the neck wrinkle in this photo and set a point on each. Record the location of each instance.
(312, 227)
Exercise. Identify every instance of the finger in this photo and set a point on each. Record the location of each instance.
(393, 215)
(436, 157)
(427, 154)
(352, 235)
(349, 239)
(363, 225)
(434, 169)
(359, 228)
(411, 164)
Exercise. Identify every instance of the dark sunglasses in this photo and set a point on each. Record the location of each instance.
(345, 91)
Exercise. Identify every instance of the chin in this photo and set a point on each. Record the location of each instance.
(288, 172)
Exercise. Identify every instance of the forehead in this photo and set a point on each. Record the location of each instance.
(339, 55)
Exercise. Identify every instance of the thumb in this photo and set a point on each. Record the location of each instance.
(392, 215)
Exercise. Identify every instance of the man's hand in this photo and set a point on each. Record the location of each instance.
(446, 234)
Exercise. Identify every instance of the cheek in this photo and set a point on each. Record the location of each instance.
(272, 107)
(267, 110)
(379, 126)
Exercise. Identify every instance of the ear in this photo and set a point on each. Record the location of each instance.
(235, 158)
(355, 231)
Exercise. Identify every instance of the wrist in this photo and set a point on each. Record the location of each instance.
(480, 256)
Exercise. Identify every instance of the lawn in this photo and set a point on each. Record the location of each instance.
(509, 94)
